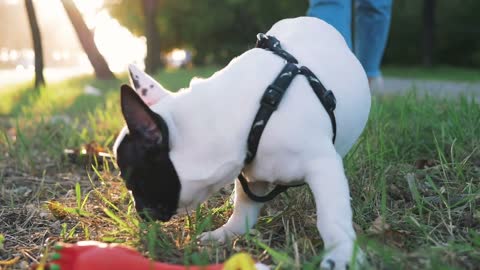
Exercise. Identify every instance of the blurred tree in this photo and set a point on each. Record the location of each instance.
(428, 31)
(85, 36)
(219, 30)
(456, 39)
(152, 61)
(214, 30)
(37, 43)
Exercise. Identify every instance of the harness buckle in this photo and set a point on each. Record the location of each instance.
(330, 102)
(272, 97)
(261, 40)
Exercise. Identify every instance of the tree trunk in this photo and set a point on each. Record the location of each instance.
(428, 31)
(37, 43)
(85, 36)
(152, 61)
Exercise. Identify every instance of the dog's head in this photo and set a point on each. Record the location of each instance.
(142, 151)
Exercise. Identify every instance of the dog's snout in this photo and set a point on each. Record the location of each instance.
(154, 214)
(146, 213)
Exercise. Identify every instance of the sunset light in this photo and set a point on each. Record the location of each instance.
(129, 132)
(118, 45)
(114, 41)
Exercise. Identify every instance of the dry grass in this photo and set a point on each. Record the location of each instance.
(414, 175)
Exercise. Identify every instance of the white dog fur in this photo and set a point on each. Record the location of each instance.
(209, 123)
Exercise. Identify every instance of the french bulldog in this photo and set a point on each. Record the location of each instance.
(179, 148)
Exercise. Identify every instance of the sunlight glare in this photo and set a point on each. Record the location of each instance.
(4, 55)
(116, 43)
(179, 55)
(13, 55)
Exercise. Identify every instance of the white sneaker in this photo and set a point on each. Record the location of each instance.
(376, 84)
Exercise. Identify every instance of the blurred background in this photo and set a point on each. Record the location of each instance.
(102, 36)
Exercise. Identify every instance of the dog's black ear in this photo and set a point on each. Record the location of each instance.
(141, 121)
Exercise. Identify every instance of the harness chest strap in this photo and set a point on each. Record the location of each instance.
(270, 101)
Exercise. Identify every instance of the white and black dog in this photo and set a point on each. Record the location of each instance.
(184, 146)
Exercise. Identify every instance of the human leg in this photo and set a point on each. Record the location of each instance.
(372, 23)
(335, 12)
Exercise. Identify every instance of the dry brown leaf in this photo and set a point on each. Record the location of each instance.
(57, 210)
(424, 163)
(383, 230)
(378, 226)
(87, 153)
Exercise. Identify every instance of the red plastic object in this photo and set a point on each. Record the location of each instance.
(93, 255)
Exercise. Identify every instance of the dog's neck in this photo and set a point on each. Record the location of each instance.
(209, 122)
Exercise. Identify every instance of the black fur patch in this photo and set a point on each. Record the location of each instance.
(151, 177)
(144, 161)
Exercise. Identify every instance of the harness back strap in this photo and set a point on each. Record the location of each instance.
(270, 101)
(268, 104)
(326, 97)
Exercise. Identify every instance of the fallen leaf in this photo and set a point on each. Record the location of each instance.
(383, 230)
(87, 153)
(57, 209)
(378, 226)
(424, 163)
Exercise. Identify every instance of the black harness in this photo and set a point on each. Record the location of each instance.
(270, 101)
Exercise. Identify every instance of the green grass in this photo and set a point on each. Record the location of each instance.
(444, 73)
(416, 168)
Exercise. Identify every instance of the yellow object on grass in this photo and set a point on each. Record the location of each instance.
(240, 261)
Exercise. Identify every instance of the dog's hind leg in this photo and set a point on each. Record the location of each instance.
(329, 186)
(244, 216)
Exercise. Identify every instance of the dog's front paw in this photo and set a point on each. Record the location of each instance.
(220, 235)
(340, 258)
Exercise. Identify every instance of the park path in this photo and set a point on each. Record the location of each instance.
(12, 76)
(392, 86)
(440, 88)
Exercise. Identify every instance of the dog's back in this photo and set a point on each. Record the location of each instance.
(318, 46)
(300, 130)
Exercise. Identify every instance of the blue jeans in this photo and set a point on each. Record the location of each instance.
(372, 22)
